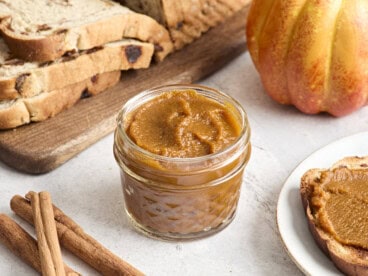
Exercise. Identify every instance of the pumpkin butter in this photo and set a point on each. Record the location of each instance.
(183, 124)
(182, 152)
(341, 205)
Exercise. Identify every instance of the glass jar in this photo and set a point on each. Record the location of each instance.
(181, 198)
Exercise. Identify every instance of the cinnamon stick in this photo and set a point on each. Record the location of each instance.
(23, 245)
(73, 238)
(47, 240)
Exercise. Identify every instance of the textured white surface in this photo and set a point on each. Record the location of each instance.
(88, 189)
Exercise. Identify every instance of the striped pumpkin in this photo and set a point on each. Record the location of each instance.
(311, 53)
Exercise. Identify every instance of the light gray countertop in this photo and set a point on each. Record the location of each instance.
(88, 189)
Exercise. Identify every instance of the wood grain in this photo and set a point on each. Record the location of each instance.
(41, 147)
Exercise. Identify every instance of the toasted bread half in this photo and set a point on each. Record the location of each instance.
(351, 260)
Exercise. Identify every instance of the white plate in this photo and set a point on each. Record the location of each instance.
(290, 213)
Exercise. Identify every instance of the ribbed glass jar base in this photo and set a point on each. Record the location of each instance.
(168, 236)
(181, 214)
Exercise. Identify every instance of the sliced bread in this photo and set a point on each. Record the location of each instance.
(27, 79)
(44, 30)
(317, 188)
(14, 113)
(187, 20)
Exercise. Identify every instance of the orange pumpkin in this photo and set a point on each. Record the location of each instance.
(311, 53)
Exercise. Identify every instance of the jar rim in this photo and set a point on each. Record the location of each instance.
(156, 91)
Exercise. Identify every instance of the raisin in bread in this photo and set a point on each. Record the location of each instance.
(14, 113)
(44, 30)
(317, 188)
(186, 20)
(27, 79)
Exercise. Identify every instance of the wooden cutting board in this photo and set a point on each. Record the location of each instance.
(42, 147)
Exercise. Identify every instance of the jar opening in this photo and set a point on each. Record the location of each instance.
(210, 93)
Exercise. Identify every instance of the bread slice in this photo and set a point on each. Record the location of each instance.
(351, 260)
(27, 79)
(187, 20)
(22, 111)
(44, 30)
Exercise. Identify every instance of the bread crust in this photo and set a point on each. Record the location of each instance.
(348, 259)
(76, 68)
(46, 105)
(7, 89)
(112, 28)
(185, 25)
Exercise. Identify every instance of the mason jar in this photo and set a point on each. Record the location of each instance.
(178, 198)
